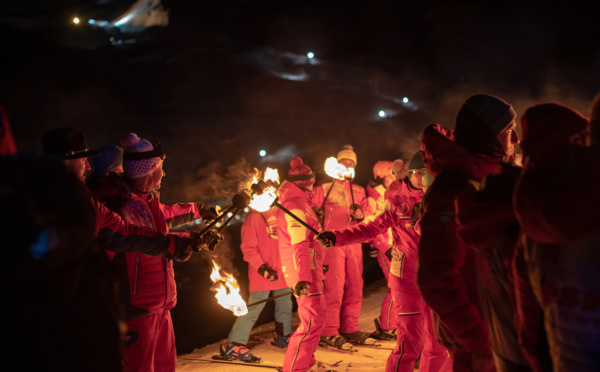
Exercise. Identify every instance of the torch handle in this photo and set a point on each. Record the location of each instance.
(208, 227)
(296, 218)
(228, 220)
(327, 195)
(270, 298)
(351, 191)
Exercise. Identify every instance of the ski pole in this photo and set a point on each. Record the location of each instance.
(270, 298)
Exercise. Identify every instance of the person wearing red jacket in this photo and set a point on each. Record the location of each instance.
(301, 264)
(459, 159)
(559, 250)
(260, 247)
(381, 245)
(415, 335)
(69, 146)
(149, 289)
(346, 205)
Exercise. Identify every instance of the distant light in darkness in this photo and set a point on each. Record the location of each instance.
(76, 20)
(92, 21)
(262, 153)
(310, 55)
(381, 113)
(405, 99)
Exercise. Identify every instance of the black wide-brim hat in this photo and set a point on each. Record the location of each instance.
(67, 143)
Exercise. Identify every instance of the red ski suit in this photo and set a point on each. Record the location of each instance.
(343, 277)
(412, 317)
(382, 243)
(260, 249)
(149, 287)
(447, 269)
(301, 260)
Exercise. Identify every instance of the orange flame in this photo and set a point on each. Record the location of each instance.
(263, 202)
(228, 291)
(337, 170)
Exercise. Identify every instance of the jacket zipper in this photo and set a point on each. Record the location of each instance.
(135, 276)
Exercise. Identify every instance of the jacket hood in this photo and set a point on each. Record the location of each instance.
(441, 152)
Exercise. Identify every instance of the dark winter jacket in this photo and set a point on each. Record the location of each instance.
(447, 269)
(562, 251)
(487, 225)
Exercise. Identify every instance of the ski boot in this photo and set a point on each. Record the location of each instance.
(280, 341)
(336, 341)
(382, 334)
(359, 338)
(238, 352)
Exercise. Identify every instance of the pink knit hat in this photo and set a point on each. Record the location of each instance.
(300, 173)
(140, 157)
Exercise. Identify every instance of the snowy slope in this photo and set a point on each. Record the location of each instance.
(371, 359)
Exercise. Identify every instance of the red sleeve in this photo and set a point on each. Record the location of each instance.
(363, 232)
(446, 270)
(117, 235)
(180, 213)
(250, 243)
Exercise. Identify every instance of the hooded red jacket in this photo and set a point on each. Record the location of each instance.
(447, 269)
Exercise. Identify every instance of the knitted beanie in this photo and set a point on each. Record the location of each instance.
(347, 153)
(139, 167)
(110, 158)
(494, 112)
(300, 173)
(416, 162)
(479, 121)
(548, 124)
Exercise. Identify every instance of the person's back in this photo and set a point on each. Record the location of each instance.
(459, 159)
(561, 251)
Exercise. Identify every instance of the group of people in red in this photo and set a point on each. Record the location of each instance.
(489, 268)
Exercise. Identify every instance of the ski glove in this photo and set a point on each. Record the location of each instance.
(301, 289)
(184, 247)
(357, 214)
(268, 273)
(208, 213)
(327, 239)
(208, 240)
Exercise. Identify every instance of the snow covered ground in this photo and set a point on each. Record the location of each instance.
(364, 359)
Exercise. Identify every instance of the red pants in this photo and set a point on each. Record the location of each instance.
(415, 336)
(343, 289)
(386, 319)
(150, 344)
(300, 354)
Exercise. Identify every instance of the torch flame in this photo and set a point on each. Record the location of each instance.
(228, 292)
(263, 202)
(337, 170)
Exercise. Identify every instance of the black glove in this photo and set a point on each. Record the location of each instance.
(326, 238)
(357, 214)
(301, 289)
(208, 213)
(268, 273)
(388, 254)
(184, 247)
(208, 240)
(373, 252)
(415, 214)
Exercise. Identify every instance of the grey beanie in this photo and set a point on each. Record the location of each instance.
(496, 113)
(110, 158)
(416, 162)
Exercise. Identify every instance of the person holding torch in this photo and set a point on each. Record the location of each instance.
(302, 264)
(344, 206)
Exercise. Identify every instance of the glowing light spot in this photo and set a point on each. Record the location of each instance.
(405, 99)
(76, 20)
(246, 209)
(92, 21)
(381, 113)
(262, 153)
(310, 55)
(229, 214)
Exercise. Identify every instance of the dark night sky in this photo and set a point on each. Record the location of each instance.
(210, 86)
